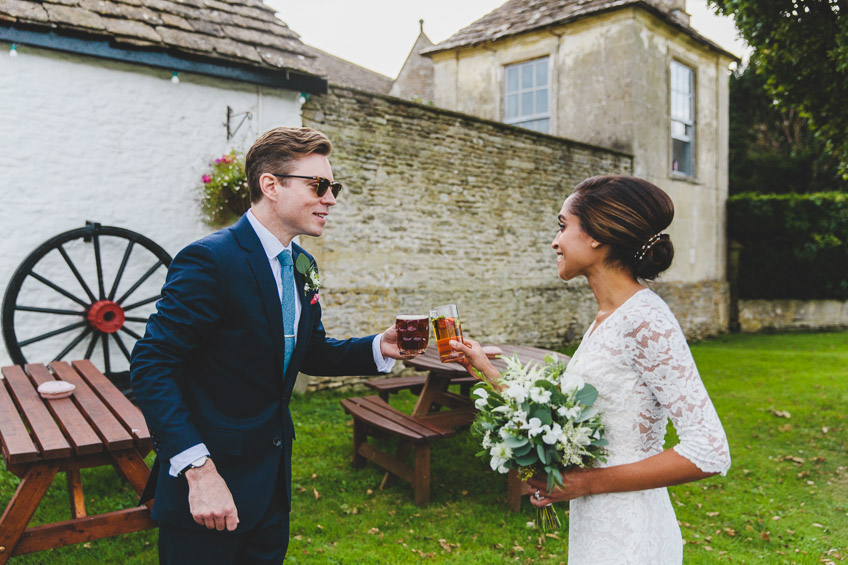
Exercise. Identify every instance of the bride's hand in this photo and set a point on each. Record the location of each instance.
(573, 486)
(474, 357)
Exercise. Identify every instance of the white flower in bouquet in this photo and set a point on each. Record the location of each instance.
(545, 421)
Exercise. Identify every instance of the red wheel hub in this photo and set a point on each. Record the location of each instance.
(106, 316)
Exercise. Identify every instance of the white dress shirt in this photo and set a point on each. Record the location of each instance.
(273, 247)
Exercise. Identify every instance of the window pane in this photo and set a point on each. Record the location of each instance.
(682, 161)
(512, 106)
(536, 125)
(542, 72)
(526, 103)
(512, 79)
(526, 76)
(542, 101)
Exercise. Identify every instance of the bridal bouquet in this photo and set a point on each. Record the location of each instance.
(540, 421)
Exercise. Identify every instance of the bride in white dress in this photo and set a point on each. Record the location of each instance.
(635, 354)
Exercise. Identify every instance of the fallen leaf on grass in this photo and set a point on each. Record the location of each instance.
(818, 459)
(796, 460)
(447, 546)
(785, 427)
(712, 514)
(765, 536)
(780, 413)
(817, 525)
(730, 531)
(315, 492)
(374, 531)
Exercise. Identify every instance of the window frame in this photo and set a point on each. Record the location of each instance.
(522, 119)
(691, 123)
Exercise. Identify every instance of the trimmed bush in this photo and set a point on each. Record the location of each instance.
(794, 245)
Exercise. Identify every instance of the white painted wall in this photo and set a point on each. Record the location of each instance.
(83, 138)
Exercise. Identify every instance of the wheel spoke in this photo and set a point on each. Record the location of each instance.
(90, 349)
(51, 334)
(135, 319)
(129, 331)
(58, 289)
(140, 281)
(121, 269)
(142, 302)
(73, 344)
(96, 239)
(50, 311)
(106, 365)
(122, 346)
(76, 273)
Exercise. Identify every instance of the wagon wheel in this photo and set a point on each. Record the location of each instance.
(85, 293)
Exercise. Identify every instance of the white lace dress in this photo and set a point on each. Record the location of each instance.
(640, 363)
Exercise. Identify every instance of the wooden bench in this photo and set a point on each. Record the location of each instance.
(96, 426)
(371, 413)
(393, 385)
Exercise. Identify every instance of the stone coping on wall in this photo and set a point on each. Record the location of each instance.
(760, 315)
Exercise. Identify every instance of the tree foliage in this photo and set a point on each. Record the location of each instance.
(801, 50)
(773, 150)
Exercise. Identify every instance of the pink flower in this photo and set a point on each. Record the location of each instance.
(207, 179)
(315, 298)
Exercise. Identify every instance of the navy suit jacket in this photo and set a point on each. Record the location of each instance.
(210, 369)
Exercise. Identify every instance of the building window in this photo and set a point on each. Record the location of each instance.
(527, 95)
(682, 119)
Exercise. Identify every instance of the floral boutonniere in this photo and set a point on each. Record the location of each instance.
(309, 270)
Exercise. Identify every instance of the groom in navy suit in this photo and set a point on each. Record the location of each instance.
(213, 375)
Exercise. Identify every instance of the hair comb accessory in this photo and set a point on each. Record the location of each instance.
(648, 244)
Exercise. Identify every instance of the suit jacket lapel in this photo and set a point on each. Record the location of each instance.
(258, 262)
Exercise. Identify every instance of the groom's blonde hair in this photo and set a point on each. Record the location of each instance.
(276, 150)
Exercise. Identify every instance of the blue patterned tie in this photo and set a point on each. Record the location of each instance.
(289, 297)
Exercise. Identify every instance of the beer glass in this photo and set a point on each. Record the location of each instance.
(446, 327)
(413, 334)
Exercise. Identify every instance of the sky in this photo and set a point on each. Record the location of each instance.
(378, 34)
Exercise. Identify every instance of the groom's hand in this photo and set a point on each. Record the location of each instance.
(209, 499)
(389, 344)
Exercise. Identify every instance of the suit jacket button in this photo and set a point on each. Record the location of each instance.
(277, 442)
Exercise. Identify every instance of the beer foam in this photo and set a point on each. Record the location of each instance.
(412, 317)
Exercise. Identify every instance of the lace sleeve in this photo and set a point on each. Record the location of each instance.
(662, 357)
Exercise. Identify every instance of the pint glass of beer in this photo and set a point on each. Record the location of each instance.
(446, 326)
(413, 334)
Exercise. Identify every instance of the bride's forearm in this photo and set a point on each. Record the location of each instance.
(662, 470)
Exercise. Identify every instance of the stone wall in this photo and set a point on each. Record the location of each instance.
(759, 315)
(441, 207)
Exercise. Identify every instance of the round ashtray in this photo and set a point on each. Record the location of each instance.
(55, 389)
(492, 351)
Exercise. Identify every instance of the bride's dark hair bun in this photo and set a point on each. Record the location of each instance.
(629, 215)
(656, 259)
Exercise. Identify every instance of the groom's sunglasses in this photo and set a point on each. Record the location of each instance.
(323, 184)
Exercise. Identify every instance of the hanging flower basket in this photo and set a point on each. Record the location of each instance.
(225, 193)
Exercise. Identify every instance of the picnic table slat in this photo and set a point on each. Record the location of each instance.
(379, 420)
(48, 436)
(74, 425)
(124, 410)
(110, 430)
(17, 445)
(384, 409)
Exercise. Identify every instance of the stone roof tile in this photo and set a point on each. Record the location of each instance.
(74, 17)
(132, 29)
(171, 20)
(240, 31)
(22, 10)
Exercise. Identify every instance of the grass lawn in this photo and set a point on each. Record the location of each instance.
(782, 399)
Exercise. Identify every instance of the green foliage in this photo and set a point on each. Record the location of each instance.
(783, 501)
(801, 50)
(772, 149)
(225, 192)
(794, 245)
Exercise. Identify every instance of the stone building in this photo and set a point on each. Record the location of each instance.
(631, 75)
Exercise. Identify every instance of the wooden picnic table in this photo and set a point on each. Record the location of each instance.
(95, 426)
(437, 413)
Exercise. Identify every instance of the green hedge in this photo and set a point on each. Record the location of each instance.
(794, 245)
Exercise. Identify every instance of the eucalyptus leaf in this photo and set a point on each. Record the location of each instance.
(543, 454)
(523, 450)
(587, 395)
(543, 413)
(528, 459)
(302, 264)
(599, 442)
(512, 441)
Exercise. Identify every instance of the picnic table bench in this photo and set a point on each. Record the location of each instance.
(40, 437)
(437, 413)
